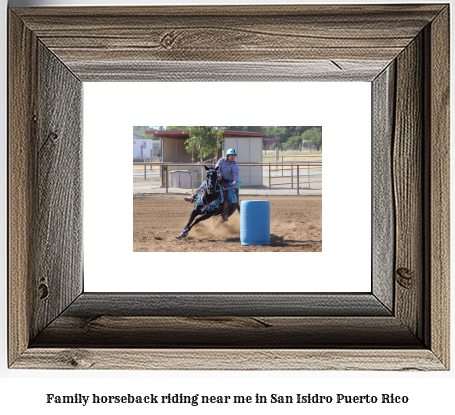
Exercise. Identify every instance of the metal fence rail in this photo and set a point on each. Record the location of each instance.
(298, 167)
(295, 170)
(295, 156)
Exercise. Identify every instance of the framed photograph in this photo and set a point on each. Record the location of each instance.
(401, 324)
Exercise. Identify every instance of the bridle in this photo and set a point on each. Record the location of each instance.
(209, 180)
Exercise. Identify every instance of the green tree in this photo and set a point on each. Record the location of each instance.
(142, 130)
(174, 128)
(276, 132)
(273, 146)
(203, 140)
(294, 142)
(270, 131)
(313, 136)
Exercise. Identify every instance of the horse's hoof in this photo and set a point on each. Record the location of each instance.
(182, 235)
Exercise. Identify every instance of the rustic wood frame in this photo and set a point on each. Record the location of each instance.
(403, 324)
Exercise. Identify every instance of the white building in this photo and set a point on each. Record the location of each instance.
(144, 147)
(247, 144)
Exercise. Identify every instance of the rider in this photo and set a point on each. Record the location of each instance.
(228, 170)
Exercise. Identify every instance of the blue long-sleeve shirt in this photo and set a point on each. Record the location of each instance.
(228, 170)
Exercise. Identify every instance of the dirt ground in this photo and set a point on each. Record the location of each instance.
(295, 226)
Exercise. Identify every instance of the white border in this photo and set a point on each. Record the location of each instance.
(111, 110)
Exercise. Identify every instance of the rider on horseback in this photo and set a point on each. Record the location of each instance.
(228, 171)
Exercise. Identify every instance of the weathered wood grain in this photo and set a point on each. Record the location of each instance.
(45, 187)
(231, 304)
(58, 263)
(157, 71)
(383, 215)
(52, 50)
(147, 35)
(22, 132)
(256, 332)
(229, 359)
(437, 167)
(408, 176)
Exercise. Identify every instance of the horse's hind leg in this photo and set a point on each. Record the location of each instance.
(234, 207)
(218, 223)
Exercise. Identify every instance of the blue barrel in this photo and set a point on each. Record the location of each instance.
(255, 222)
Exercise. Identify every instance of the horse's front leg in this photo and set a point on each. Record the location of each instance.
(205, 216)
(186, 229)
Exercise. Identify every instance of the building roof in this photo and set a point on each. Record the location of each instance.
(186, 134)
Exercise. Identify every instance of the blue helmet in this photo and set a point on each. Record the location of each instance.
(231, 151)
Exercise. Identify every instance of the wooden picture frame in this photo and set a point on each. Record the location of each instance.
(402, 324)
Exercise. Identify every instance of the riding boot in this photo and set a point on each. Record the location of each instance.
(224, 212)
(191, 198)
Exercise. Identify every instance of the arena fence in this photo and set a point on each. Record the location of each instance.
(294, 174)
(291, 157)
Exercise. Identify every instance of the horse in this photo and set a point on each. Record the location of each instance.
(211, 201)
